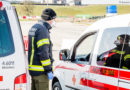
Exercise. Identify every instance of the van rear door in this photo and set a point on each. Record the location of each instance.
(12, 56)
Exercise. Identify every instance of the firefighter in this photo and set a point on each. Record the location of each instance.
(120, 52)
(40, 51)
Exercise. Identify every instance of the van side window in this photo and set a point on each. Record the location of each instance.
(113, 47)
(84, 49)
(6, 40)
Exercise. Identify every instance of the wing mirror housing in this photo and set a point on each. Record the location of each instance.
(64, 54)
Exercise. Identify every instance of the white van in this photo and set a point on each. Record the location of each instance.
(85, 65)
(13, 62)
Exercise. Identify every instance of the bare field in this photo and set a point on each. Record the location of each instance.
(95, 10)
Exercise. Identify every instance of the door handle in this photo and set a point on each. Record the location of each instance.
(124, 81)
(86, 76)
(92, 79)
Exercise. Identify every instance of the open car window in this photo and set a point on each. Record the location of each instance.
(113, 48)
(84, 49)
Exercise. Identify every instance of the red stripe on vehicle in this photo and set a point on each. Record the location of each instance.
(1, 78)
(84, 82)
(64, 67)
(110, 72)
(99, 85)
(125, 75)
(102, 71)
(120, 88)
(81, 65)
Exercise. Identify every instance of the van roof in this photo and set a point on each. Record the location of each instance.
(109, 22)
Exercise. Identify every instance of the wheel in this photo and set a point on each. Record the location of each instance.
(56, 86)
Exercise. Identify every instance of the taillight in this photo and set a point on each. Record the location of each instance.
(1, 78)
(20, 82)
(1, 4)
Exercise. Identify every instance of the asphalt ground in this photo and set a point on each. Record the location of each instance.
(62, 31)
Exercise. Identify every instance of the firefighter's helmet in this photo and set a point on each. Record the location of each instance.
(124, 37)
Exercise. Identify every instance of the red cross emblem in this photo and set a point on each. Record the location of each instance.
(74, 80)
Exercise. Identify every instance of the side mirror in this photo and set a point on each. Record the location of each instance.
(64, 54)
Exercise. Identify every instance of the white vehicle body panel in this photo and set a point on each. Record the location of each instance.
(69, 69)
(14, 65)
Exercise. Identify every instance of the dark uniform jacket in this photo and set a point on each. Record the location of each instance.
(40, 49)
(115, 55)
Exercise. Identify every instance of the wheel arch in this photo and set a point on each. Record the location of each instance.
(55, 79)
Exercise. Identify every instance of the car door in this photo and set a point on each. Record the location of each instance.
(76, 73)
(104, 70)
(124, 72)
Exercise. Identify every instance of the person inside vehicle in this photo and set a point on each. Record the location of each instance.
(120, 52)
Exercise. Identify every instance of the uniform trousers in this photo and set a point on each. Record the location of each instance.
(40, 82)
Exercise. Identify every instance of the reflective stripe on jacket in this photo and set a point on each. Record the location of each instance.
(116, 55)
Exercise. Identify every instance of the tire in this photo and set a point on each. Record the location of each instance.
(56, 86)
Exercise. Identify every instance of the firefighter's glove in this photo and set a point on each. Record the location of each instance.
(50, 75)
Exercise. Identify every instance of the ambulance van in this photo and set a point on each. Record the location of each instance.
(13, 62)
(98, 60)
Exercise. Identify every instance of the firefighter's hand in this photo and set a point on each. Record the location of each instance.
(50, 75)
